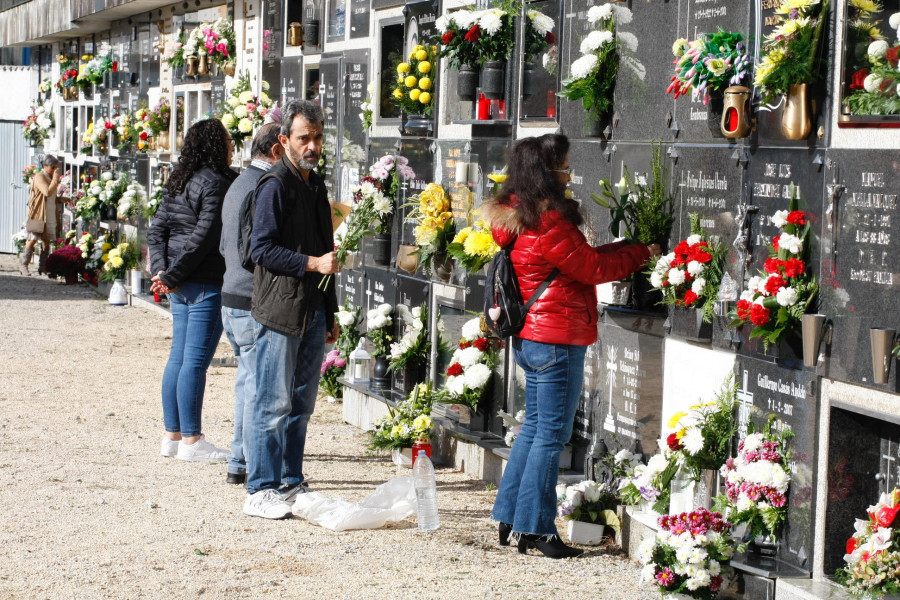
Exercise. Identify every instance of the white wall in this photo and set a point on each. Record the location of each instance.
(22, 83)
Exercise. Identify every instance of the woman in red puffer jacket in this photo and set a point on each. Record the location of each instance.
(533, 214)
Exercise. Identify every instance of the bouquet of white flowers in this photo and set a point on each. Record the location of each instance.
(378, 323)
(471, 366)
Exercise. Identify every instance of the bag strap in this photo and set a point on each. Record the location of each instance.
(543, 288)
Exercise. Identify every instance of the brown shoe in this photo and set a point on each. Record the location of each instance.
(26, 258)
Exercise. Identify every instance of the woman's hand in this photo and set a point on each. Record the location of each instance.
(654, 249)
(158, 287)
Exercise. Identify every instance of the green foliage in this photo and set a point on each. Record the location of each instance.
(596, 89)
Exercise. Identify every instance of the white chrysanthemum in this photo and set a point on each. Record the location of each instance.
(695, 267)
(345, 318)
(585, 66)
(647, 572)
(693, 440)
(385, 309)
(382, 204)
(676, 276)
(245, 125)
(442, 22)
(598, 13)
(464, 18)
(623, 15)
(779, 219)
(656, 279)
(574, 496)
(469, 356)
(645, 550)
(456, 385)
(698, 555)
(894, 21)
(787, 296)
(779, 478)
(698, 285)
(683, 554)
(240, 111)
(106, 176)
(541, 22)
(877, 49)
(476, 376)
(791, 243)
(755, 283)
(872, 83)
(595, 40)
(657, 464)
(694, 239)
(246, 97)
(471, 329)
(622, 456)
(753, 442)
(490, 22)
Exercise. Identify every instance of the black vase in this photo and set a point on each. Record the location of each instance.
(597, 126)
(493, 79)
(643, 296)
(714, 108)
(410, 375)
(381, 249)
(466, 83)
(381, 379)
(527, 80)
(442, 266)
(108, 212)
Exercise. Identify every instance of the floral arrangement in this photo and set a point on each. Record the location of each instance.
(712, 62)
(18, 239)
(215, 40)
(68, 73)
(141, 124)
(873, 553)
(107, 190)
(414, 345)
(243, 111)
(38, 124)
(453, 35)
(64, 187)
(65, 261)
(97, 250)
(643, 483)
(158, 117)
(155, 199)
(434, 223)
(689, 276)
(471, 366)
(413, 93)
(367, 108)
(592, 78)
(389, 172)
(92, 68)
(690, 554)
(333, 367)
(873, 84)
(121, 259)
(513, 425)
(757, 480)
(46, 86)
(173, 52)
(96, 134)
(702, 437)
(29, 172)
(775, 300)
(474, 37)
(378, 323)
(538, 33)
(349, 318)
(86, 244)
(788, 54)
(133, 201)
(125, 133)
(408, 422)
(474, 246)
(588, 501)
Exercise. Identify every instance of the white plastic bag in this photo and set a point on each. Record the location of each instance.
(393, 500)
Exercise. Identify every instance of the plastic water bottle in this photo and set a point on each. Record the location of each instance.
(426, 493)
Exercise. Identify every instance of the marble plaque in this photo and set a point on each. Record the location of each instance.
(329, 99)
(351, 284)
(381, 287)
(360, 11)
(291, 79)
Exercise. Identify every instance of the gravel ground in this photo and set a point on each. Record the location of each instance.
(90, 509)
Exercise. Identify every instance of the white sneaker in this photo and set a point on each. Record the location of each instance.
(266, 504)
(200, 451)
(168, 448)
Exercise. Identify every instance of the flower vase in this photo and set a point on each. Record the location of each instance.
(71, 278)
(190, 66)
(442, 266)
(715, 104)
(585, 534)
(493, 78)
(527, 80)
(228, 68)
(765, 546)
(381, 249)
(162, 141)
(597, 125)
(614, 293)
(203, 65)
(408, 258)
(117, 294)
(417, 124)
(736, 112)
(102, 148)
(409, 376)
(381, 379)
(795, 120)
(402, 457)
(466, 83)
(643, 296)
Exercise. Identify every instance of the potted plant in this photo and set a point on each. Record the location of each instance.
(414, 93)
(379, 327)
(788, 62)
(470, 370)
(873, 562)
(588, 508)
(404, 425)
(689, 556)
(434, 225)
(66, 261)
(707, 66)
(473, 247)
(410, 353)
(593, 76)
(333, 366)
(648, 485)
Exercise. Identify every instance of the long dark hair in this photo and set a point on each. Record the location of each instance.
(531, 178)
(205, 145)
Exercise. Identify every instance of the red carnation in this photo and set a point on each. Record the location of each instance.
(743, 309)
(775, 283)
(448, 37)
(454, 370)
(775, 242)
(682, 248)
(796, 217)
(689, 297)
(700, 254)
(759, 315)
(551, 39)
(794, 267)
(773, 265)
(856, 81)
(143, 136)
(852, 544)
(474, 34)
(482, 344)
(892, 57)
(673, 442)
(464, 345)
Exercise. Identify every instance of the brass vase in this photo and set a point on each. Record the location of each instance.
(190, 66)
(295, 34)
(203, 65)
(735, 122)
(795, 121)
(102, 148)
(163, 140)
(228, 68)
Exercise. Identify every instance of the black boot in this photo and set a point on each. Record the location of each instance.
(552, 548)
(504, 529)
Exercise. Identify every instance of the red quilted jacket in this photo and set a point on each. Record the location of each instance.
(567, 311)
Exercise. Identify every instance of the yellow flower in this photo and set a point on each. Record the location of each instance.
(403, 67)
(418, 47)
(424, 67)
(398, 93)
(425, 83)
(675, 418)
(460, 238)
(401, 79)
(414, 94)
(865, 5)
(123, 247)
(480, 244)
(410, 81)
(788, 5)
(106, 246)
(422, 423)
(424, 97)
(421, 55)
(116, 261)
(114, 253)
(702, 405)
(105, 257)
(498, 177)
(396, 430)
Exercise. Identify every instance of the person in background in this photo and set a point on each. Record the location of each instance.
(533, 215)
(237, 290)
(42, 207)
(185, 261)
(293, 248)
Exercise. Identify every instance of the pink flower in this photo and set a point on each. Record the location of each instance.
(251, 107)
(223, 48)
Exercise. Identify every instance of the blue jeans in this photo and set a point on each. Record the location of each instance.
(553, 378)
(196, 329)
(241, 330)
(287, 382)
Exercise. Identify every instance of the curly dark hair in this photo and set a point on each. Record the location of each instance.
(205, 145)
(536, 187)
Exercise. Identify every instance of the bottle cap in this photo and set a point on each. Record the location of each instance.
(421, 453)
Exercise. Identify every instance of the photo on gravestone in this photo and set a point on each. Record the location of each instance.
(360, 11)
(863, 462)
(540, 74)
(771, 172)
(337, 20)
(699, 118)
(765, 388)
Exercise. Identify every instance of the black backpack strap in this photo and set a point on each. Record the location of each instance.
(543, 288)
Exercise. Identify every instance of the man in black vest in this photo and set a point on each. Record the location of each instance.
(293, 248)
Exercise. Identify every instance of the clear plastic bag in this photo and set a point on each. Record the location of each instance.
(393, 500)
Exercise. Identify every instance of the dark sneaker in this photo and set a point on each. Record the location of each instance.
(236, 478)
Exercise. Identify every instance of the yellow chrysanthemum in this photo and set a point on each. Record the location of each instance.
(116, 261)
(424, 97)
(106, 246)
(410, 81)
(403, 67)
(425, 83)
(114, 253)
(105, 258)
(424, 67)
(460, 238)
(414, 94)
(480, 244)
(398, 93)
(123, 247)
(422, 423)
(789, 5)
(418, 47)
(498, 177)
(421, 55)
(675, 418)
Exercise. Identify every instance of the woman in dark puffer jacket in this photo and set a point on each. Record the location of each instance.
(533, 214)
(185, 260)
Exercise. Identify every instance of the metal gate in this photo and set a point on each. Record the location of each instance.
(14, 154)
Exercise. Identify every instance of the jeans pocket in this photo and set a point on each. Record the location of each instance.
(538, 356)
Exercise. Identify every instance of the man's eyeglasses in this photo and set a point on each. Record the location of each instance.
(568, 171)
